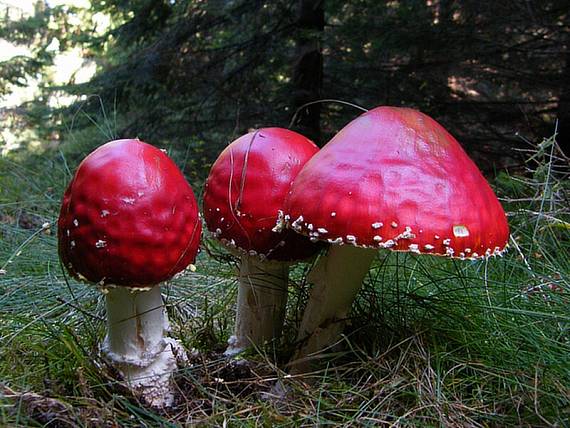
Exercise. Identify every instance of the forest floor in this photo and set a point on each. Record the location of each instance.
(432, 341)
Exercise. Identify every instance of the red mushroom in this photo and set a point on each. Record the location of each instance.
(129, 221)
(393, 178)
(246, 188)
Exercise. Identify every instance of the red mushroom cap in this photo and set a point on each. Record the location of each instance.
(395, 178)
(246, 189)
(128, 217)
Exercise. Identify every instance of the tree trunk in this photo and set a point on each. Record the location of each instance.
(563, 114)
(308, 68)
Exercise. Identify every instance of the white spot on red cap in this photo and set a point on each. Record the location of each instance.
(333, 214)
(394, 224)
(128, 200)
(406, 234)
(377, 225)
(104, 213)
(296, 225)
(101, 244)
(460, 231)
(281, 222)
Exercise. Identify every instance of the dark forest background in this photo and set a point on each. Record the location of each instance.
(197, 74)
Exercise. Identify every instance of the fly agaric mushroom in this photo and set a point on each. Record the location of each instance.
(244, 191)
(129, 221)
(393, 178)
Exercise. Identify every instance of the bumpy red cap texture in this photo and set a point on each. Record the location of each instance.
(246, 189)
(395, 178)
(128, 217)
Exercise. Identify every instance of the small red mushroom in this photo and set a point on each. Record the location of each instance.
(129, 221)
(391, 179)
(244, 191)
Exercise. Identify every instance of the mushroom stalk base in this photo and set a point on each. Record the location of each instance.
(135, 344)
(337, 277)
(261, 303)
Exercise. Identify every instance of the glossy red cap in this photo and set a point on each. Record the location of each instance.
(128, 217)
(246, 189)
(395, 178)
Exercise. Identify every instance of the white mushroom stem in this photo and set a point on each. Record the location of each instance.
(337, 277)
(261, 303)
(135, 344)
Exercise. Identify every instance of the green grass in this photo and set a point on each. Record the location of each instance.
(433, 342)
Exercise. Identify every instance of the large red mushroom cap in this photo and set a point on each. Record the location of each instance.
(395, 178)
(246, 189)
(128, 217)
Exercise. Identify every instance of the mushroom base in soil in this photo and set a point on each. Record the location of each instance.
(336, 278)
(136, 345)
(261, 303)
